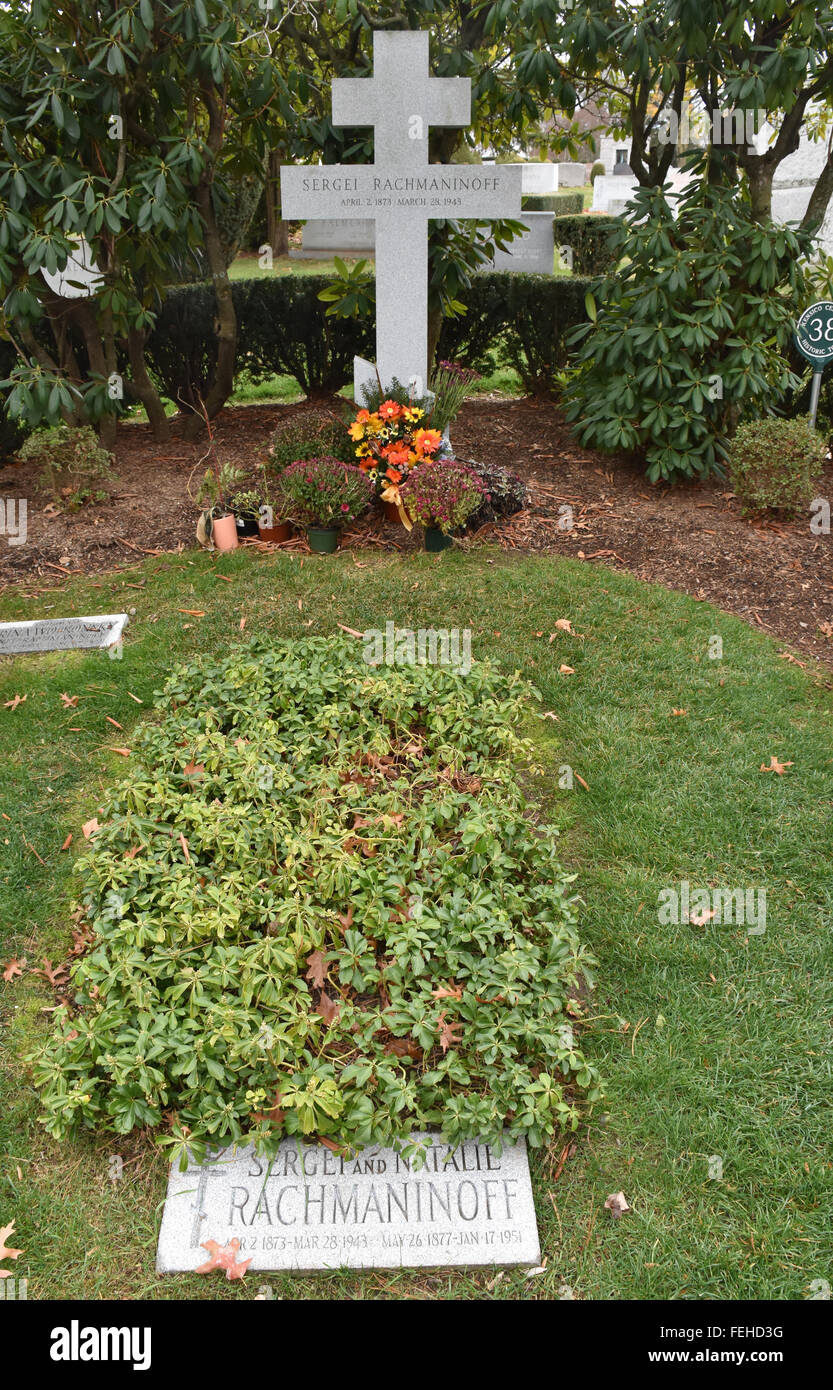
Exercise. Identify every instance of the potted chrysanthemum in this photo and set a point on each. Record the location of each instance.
(441, 496)
(323, 495)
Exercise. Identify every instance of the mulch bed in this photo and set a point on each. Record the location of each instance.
(776, 575)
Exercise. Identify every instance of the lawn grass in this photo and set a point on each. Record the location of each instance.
(713, 1042)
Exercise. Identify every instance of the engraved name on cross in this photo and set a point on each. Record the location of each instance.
(401, 190)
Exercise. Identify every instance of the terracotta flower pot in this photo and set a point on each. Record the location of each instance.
(224, 532)
(323, 540)
(435, 539)
(391, 512)
(281, 531)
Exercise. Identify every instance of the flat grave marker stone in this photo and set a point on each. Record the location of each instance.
(62, 634)
(311, 1210)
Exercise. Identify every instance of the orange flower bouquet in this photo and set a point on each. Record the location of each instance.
(389, 441)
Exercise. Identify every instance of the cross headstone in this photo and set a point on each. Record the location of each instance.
(401, 190)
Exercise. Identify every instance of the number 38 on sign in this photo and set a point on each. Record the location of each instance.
(814, 333)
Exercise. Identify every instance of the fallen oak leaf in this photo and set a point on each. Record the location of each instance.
(18, 700)
(14, 967)
(566, 670)
(449, 991)
(195, 770)
(317, 972)
(55, 975)
(90, 827)
(224, 1257)
(448, 1028)
(775, 766)
(788, 656)
(616, 1204)
(679, 711)
(328, 1009)
(6, 1253)
(404, 1047)
(699, 919)
(70, 701)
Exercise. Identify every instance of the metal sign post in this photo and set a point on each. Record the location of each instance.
(814, 340)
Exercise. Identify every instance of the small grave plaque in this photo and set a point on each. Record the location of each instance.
(61, 634)
(311, 1210)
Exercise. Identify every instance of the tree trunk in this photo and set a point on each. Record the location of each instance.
(226, 322)
(759, 174)
(143, 388)
(820, 197)
(277, 231)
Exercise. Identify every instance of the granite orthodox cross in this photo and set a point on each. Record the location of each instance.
(401, 190)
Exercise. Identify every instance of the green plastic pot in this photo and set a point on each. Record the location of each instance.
(435, 539)
(323, 540)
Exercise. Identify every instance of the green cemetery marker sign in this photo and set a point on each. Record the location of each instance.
(814, 340)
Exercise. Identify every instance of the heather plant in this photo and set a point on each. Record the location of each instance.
(307, 437)
(323, 492)
(442, 495)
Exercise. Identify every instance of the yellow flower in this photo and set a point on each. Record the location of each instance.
(356, 431)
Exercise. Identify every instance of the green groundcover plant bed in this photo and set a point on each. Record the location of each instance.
(319, 906)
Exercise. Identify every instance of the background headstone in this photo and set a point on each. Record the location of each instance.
(571, 175)
(539, 178)
(312, 1210)
(534, 252)
(326, 237)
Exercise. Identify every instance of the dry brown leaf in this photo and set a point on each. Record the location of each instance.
(14, 967)
(450, 1032)
(566, 670)
(6, 1253)
(328, 1009)
(775, 766)
(317, 972)
(70, 701)
(616, 1204)
(224, 1257)
(18, 700)
(90, 827)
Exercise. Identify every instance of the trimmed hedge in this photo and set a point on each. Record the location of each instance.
(562, 204)
(588, 237)
(283, 329)
(517, 319)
